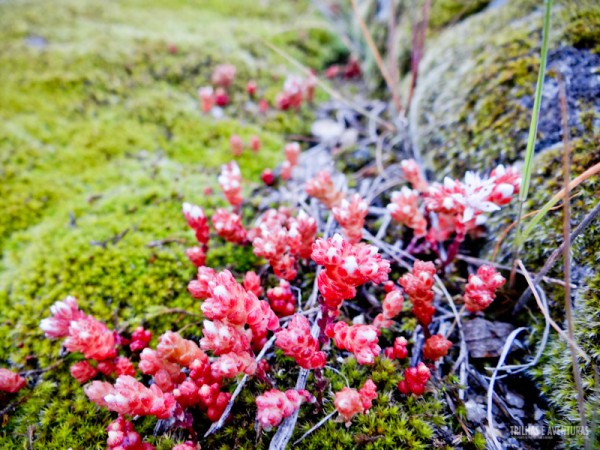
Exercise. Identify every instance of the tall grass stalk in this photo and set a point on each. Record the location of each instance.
(532, 133)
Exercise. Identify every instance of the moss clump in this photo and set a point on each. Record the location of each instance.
(447, 12)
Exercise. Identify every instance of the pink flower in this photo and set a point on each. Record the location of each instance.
(174, 348)
(252, 283)
(230, 181)
(286, 171)
(122, 436)
(415, 379)
(223, 75)
(306, 229)
(347, 266)
(349, 402)
(232, 364)
(63, 312)
(267, 177)
(297, 342)
(404, 209)
(166, 374)
(281, 239)
(129, 396)
(413, 174)
(140, 339)
(361, 340)
(206, 95)
(11, 381)
(351, 217)
(187, 394)
(282, 299)
(221, 338)
(436, 347)
(507, 183)
(226, 300)
(399, 350)
(322, 188)
(196, 255)
(196, 219)
(229, 226)
(292, 152)
(392, 306)
(251, 88)
(274, 406)
(418, 286)
(199, 287)
(97, 390)
(213, 400)
(236, 145)
(83, 371)
(91, 338)
(255, 144)
(481, 288)
(263, 106)
(221, 97)
(123, 366)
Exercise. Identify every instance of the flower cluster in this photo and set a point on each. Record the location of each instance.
(392, 306)
(230, 181)
(295, 91)
(282, 239)
(237, 145)
(282, 299)
(436, 347)
(196, 219)
(399, 350)
(463, 203)
(481, 288)
(292, 152)
(322, 188)
(274, 406)
(418, 286)
(350, 214)
(252, 283)
(297, 342)
(360, 340)
(122, 436)
(404, 209)
(415, 379)
(439, 212)
(229, 226)
(349, 402)
(84, 334)
(129, 396)
(11, 381)
(140, 338)
(230, 309)
(347, 266)
(413, 174)
(222, 78)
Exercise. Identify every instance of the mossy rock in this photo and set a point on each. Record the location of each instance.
(472, 110)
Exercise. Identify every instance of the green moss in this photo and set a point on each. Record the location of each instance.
(445, 12)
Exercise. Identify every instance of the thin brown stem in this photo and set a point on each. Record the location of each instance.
(378, 59)
(567, 250)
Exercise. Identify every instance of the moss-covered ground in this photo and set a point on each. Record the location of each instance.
(100, 142)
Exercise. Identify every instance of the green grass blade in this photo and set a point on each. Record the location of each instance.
(534, 119)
